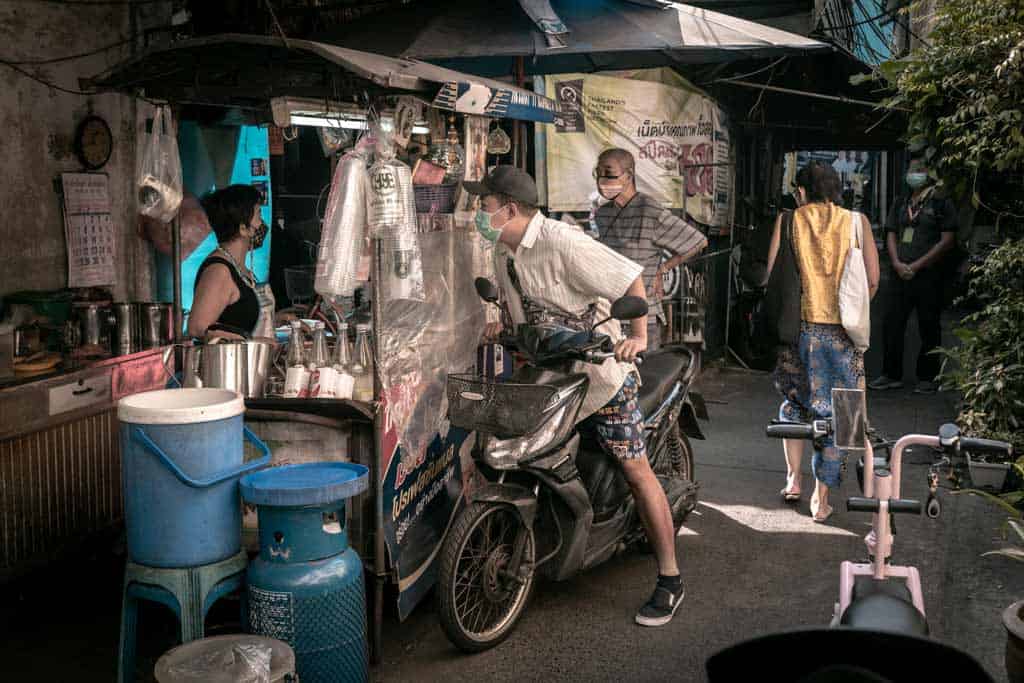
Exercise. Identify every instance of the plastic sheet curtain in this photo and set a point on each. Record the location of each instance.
(420, 342)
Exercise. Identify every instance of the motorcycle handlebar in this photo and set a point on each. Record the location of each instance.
(896, 505)
(599, 357)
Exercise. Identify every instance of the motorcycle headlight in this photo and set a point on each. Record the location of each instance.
(503, 454)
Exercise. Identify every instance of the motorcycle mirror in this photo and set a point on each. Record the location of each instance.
(629, 308)
(486, 290)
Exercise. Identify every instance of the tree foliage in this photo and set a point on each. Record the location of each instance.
(964, 91)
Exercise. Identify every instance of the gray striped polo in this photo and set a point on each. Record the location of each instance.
(640, 230)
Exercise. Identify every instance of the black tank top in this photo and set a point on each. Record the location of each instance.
(244, 313)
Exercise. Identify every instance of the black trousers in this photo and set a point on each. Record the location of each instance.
(923, 294)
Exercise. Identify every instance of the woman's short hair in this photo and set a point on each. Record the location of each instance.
(820, 182)
(230, 208)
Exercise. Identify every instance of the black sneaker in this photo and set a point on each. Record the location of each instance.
(662, 606)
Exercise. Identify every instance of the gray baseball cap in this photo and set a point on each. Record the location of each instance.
(508, 180)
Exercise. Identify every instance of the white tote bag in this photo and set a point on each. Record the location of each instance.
(854, 295)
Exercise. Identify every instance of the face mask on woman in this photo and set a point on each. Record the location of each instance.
(916, 179)
(484, 226)
(259, 235)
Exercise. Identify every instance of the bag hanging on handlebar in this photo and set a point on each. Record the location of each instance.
(781, 306)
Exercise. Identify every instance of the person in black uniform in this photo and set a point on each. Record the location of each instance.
(225, 302)
(921, 229)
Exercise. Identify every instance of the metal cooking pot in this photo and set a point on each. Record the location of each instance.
(156, 324)
(238, 366)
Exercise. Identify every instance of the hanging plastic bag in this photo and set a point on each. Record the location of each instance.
(159, 170)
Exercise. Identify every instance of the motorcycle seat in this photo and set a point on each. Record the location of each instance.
(658, 374)
(881, 611)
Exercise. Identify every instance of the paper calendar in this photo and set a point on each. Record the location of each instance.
(88, 229)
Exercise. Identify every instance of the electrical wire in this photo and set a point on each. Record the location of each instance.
(90, 3)
(752, 73)
(68, 58)
(48, 84)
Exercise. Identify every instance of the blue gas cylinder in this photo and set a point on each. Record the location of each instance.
(306, 587)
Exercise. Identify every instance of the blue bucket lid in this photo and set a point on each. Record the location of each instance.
(315, 483)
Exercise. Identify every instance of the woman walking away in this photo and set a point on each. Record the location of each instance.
(823, 357)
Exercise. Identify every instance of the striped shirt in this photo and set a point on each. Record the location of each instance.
(641, 230)
(564, 270)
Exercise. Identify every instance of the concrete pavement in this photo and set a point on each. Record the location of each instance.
(752, 564)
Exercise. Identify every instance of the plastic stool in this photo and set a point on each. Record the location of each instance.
(188, 591)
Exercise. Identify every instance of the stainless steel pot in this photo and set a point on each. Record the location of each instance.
(123, 336)
(155, 324)
(91, 318)
(237, 366)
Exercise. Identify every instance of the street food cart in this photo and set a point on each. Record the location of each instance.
(420, 467)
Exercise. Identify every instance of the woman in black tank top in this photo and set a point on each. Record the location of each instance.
(225, 302)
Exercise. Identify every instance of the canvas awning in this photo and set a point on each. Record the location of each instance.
(598, 35)
(249, 70)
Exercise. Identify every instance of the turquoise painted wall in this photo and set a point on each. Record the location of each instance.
(213, 157)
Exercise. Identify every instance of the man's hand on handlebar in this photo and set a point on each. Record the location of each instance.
(627, 350)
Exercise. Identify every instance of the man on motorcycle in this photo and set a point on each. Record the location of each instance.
(552, 271)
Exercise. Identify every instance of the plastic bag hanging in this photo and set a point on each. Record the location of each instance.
(159, 170)
(344, 230)
(391, 218)
(391, 204)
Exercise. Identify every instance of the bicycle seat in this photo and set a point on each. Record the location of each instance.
(881, 611)
(658, 374)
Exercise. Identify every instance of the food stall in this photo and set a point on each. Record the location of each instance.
(415, 271)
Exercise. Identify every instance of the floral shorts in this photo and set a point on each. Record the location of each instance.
(619, 425)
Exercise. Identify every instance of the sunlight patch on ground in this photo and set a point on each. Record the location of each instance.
(775, 520)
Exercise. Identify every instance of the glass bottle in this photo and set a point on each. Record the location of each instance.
(342, 349)
(319, 357)
(362, 364)
(296, 346)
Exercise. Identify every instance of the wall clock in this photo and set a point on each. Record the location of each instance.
(94, 142)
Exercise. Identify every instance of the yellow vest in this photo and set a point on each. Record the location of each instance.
(821, 240)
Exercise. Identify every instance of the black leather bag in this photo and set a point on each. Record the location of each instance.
(781, 307)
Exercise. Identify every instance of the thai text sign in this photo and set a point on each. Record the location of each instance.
(673, 133)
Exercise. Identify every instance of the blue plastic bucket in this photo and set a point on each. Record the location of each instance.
(182, 455)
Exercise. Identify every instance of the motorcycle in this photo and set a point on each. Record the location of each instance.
(552, 503)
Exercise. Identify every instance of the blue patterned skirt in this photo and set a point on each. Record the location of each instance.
(823, 359)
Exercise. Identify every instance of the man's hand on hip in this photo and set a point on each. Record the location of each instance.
(627, 350)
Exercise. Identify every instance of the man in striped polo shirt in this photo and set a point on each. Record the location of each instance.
(635, 225)
(548, 270)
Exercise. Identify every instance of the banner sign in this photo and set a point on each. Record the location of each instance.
(674, 134)
(420, 496)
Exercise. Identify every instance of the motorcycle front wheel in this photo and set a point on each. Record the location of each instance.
(479, 602)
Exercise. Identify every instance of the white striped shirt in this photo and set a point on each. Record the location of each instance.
(563, 269)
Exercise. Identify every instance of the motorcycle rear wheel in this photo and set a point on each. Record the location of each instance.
(478, 605)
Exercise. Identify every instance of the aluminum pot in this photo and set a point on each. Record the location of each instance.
(239, 366)
(91, 317)
(123, 336)
(155, 323)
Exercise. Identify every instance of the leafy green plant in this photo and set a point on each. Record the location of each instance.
(988, 365)
(964, 91)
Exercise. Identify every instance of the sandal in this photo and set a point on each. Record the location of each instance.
(790, 496)
(822, 518)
